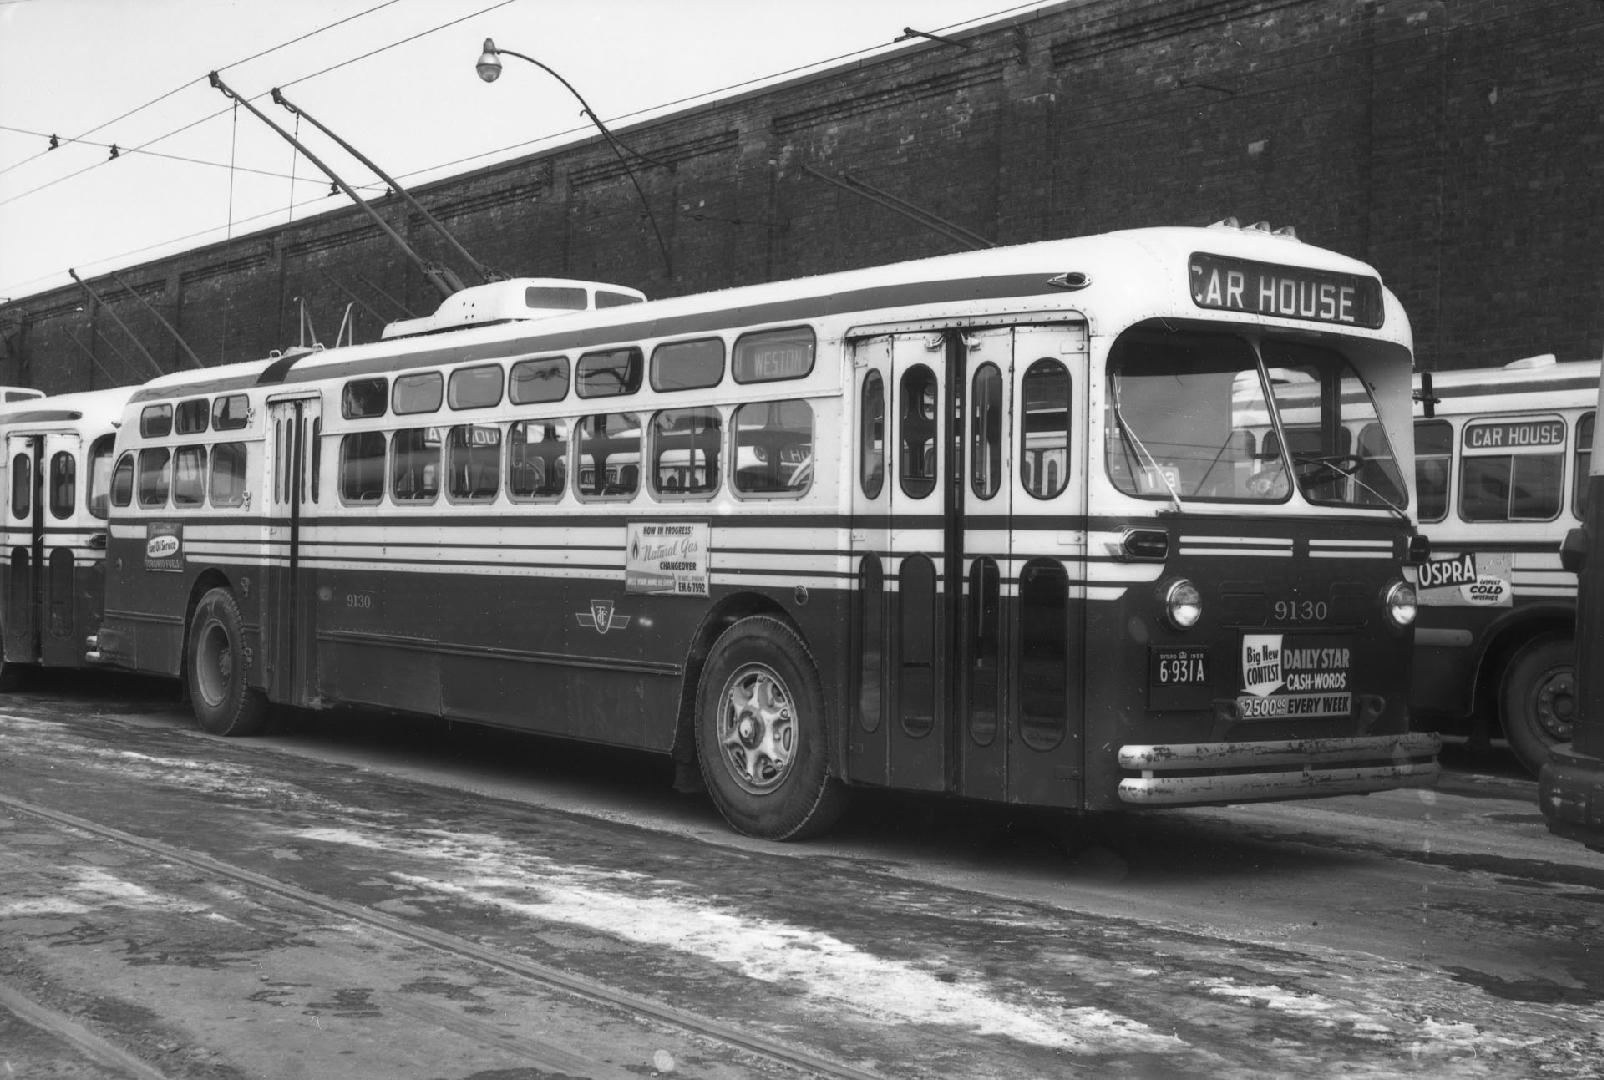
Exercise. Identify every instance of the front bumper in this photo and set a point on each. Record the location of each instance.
(1201, 774)
(1570, 792)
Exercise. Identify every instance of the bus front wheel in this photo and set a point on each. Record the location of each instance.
(1537, 703)
(219, 690)
(761, 733)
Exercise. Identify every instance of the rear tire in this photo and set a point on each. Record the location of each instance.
(1537, 701)
(762, 736)
(218, 668)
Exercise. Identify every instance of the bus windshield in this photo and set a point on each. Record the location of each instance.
(1189, 420)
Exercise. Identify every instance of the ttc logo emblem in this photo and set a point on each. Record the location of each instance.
(601, 617)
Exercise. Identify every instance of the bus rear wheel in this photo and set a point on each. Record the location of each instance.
(761, 733)
(1537, 703)
(219, 690)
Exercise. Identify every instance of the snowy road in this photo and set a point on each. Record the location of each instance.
(359, 898)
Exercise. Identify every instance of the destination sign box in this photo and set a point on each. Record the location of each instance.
(1224, 283)
(1502, 436)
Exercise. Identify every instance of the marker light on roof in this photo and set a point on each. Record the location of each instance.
(1073, 280)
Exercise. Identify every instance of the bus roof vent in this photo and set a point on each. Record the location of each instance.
(1286, 232)
(1531, 363)
(513, 300)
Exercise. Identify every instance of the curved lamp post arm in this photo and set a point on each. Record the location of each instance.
(489, 68)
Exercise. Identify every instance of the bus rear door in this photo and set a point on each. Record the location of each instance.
(289, 599)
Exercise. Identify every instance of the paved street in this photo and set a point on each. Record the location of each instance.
(361, 896)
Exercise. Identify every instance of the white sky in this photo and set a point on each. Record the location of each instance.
(88, 71)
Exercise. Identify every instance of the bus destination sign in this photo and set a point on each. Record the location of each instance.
(1502, 436)
(1288, 292)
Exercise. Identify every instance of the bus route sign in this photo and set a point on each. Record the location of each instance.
(1288, 292)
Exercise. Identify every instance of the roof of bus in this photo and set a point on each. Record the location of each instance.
(1125, 269)
(1577, 379)
(100, 409)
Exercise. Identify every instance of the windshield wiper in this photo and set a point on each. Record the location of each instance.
(1330, 462)
(1128, 434)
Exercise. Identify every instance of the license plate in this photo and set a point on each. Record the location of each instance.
(1179, 667)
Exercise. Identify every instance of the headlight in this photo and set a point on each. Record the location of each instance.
(1183, 604)
(1400, 603)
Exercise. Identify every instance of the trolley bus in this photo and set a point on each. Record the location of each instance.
(55, 475)
(1570, 787)
(994, 525)
(1501, 466)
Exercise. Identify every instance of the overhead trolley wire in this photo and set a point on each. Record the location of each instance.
(733, 87)
(177, 89)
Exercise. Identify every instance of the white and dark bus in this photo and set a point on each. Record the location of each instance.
(1016, 525)
(1501, 465)
(1570, 787)
(55, 477)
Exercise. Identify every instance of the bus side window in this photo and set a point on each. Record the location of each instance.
(122, 481)
(473, 462)
(608, 446)
(100, 474)
(153, 476)
(228, 474)
(1584, 462)
(1511, 487)
(363, 398)
(189, 476)
(362, 467)
(774, 448)
(537, 459)
(1434, 442)
(685, 451)
(415, 464)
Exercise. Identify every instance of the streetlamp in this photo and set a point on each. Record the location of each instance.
(489, 68)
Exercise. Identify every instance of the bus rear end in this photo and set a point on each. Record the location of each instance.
(1249, 619)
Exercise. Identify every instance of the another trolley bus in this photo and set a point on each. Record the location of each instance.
(1570, 788)
(1007, 525)
(1501, 465)
(55, 476)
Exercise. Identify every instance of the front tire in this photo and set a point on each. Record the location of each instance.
(762, 736)
(1537, 702)
(219, 690)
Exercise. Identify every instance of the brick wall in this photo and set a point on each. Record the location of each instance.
(1455, 145)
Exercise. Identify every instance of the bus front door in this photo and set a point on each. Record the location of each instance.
(62, 539)
(289, 599)
(1044, 589)
(24, 544)
(969, 557)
